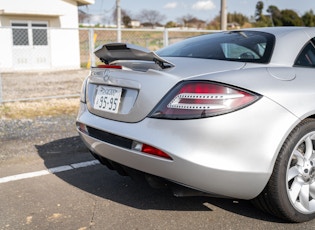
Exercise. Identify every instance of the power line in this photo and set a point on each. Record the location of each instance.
(99, 10)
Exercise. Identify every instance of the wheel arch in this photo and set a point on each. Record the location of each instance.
(276, 203)
(289, 131)
(283, 140)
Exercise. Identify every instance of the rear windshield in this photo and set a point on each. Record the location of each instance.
(242, 46)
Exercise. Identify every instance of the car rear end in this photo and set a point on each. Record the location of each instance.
(179, 118)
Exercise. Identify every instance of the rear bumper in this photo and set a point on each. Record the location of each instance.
(230, 155)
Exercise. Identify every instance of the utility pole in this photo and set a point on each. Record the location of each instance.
(118, 20)
(223, 15)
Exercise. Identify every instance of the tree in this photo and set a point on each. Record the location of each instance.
(309, 19)
(125, 17)
(290, 18)
(126, 20)
(185, 19)
(238, 18)
(153, 17)
(259, 10)
(170, 24)
(215, 24)
(261, 19)
(275, 15)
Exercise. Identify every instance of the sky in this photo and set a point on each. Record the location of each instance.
(202, 9)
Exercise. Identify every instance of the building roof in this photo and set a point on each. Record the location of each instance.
(85, 2)
(28, 9)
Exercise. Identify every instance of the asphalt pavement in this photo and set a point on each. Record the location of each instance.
(48, 180)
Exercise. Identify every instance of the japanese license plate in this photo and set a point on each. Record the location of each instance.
(107, 98)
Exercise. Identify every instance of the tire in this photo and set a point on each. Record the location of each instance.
(290, 192)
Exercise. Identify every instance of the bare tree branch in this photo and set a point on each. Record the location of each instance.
(152, 17)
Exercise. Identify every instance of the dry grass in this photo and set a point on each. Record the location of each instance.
(53, 107)
(17, 86)
(26, 85)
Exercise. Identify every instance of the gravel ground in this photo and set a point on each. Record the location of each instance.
(23, 139)
(26, 138)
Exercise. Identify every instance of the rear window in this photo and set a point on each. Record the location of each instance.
(242, 46)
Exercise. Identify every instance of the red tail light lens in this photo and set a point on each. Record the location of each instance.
(191, 100)
(154, 151)
(82, 128)
(148, 149)
(110, 66)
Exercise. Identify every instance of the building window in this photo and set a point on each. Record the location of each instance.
(29, 33)
(20, 35)
(39, 34)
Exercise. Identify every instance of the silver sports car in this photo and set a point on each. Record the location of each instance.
(230, 114)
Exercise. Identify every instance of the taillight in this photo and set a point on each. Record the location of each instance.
(82, 127)
(190, 100)
(109, 66)
(154, 151)
(148, 149)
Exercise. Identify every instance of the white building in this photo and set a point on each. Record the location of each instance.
(39, 34)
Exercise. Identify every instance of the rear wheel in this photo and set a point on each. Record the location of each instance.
(290, 192)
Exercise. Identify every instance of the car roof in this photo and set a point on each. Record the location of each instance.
(281, 30)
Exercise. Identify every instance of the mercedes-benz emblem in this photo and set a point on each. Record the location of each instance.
(106, 74)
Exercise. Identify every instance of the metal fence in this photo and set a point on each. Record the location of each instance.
(152, 39)
(33, 56)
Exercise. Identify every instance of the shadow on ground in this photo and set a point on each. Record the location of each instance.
(102, 182)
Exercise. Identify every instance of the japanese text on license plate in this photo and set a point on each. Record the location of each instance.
(107, 99)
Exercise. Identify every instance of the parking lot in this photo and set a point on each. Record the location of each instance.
(48, 180)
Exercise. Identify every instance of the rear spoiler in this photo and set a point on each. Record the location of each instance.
(124, 51)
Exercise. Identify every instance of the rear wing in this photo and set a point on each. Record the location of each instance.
(124, 51)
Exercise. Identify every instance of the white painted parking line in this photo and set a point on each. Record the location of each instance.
(48, 171)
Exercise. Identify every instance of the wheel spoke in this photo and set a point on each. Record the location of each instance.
(304, 196)
(295, 190)
(312, 206)
(313, 152)
(312, 190)
(309, 148)
(299, 157)
(293, 172)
